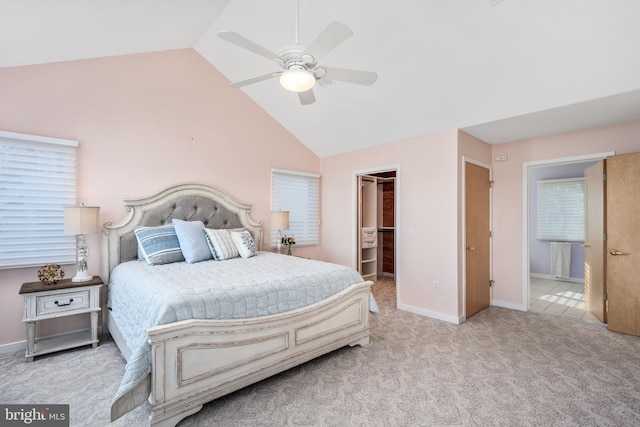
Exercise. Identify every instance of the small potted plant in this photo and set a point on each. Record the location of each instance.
(288, 242)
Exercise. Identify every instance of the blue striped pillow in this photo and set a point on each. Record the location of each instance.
(159, 245)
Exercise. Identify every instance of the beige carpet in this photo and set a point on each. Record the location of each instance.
(500, 368)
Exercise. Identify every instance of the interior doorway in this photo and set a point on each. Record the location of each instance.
(545, 290)
(376, 224)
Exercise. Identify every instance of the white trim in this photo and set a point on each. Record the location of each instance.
(510, 305)
(37, 138)
(525, 209)
(290, 172)
(463, 236)
(431, 314)
(397, 216)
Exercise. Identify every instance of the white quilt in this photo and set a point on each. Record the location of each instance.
(142, 296)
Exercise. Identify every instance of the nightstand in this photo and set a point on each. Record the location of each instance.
(65, 298)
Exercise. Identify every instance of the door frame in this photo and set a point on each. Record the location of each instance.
(466, 160)
(526, 166)
(397, 219)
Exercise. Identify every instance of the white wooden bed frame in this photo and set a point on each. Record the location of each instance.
(196, 361)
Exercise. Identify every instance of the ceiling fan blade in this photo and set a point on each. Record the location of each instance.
(307, 97)
(254, 80)
(244, 42)
(332, 36)
(351, 76)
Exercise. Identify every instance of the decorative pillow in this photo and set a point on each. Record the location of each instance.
(221, 244)
(159, 245)
(244, 242)
(192, 240)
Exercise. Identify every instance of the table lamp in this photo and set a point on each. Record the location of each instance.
(279, 220)
(81, 220)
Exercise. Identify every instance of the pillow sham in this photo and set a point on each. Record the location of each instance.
(221, 244)
(159, 245)
(245, 244)
(193, 242)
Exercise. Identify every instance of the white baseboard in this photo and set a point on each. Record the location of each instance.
(550, 277)
(13, 347)
(432, 314)
(505, 304)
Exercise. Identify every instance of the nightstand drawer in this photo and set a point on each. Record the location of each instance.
(62, 302)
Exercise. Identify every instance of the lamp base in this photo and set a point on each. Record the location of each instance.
(279, 242)
(82, 276)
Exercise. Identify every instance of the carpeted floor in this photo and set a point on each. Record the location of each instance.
(500, 368)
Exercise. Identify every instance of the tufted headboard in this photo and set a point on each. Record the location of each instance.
(189, 202)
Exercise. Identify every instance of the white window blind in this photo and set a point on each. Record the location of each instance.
(298, 193)
(37, 179)
(561, 210)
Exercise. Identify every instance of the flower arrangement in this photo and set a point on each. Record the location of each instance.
(288, 242)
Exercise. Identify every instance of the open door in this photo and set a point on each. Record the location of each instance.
(477, 239)
(594, 247)
(623, 243)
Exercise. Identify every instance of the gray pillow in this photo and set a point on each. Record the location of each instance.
(192, 240)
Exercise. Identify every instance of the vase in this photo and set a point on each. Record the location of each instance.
(288, 250)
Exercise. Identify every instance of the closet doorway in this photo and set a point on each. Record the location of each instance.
(376, 224)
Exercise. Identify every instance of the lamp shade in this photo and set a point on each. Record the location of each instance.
(81, 219)
(297, 79)
(280, 220)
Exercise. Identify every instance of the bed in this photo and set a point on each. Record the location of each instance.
(189, 360)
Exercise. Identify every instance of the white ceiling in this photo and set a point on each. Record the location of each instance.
(501, 70)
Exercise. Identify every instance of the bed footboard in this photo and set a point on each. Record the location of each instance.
(196, 361)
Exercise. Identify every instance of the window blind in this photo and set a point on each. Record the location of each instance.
(561, 210)
(37, 179)
(298, 193)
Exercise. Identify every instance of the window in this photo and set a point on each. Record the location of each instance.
(298, 193)
(37, 179)
(561, 210)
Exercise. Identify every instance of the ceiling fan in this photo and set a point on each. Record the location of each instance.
(300, 64)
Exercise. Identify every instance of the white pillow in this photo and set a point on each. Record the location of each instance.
(221, 244)
(245, 244)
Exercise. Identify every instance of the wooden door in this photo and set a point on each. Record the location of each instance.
(594, 248)
(477, 239)
(623, 243)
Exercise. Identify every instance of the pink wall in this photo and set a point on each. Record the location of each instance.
(427, 199)
(144, 122)
(508, 193)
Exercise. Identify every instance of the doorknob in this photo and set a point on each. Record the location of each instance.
(586, 245)
(617, 252)
(471, 248)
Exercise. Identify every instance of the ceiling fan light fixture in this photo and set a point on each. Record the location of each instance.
(297, 79)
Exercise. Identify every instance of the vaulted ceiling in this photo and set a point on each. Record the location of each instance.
(501, 70)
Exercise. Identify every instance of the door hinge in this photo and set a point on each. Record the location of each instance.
(605, 297)
(604, 236)
(490, 235)
(491, 282)
(604, 176)
(490, 184)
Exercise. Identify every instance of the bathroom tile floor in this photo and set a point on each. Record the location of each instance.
(559, 298)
